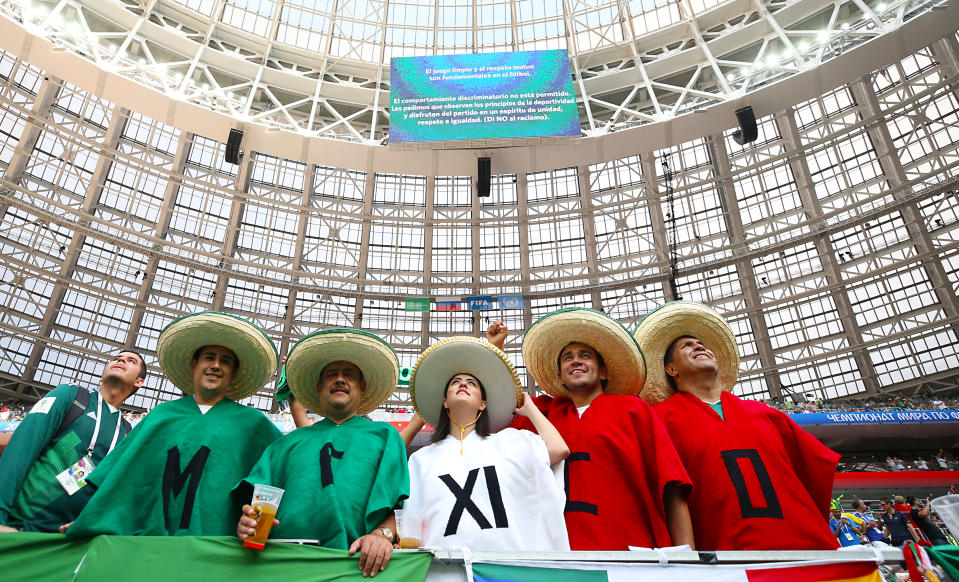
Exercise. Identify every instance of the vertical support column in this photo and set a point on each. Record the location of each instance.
(589, 236)
(915, 224)
(162, 227)
(747, 277)
(428, 250)
(365, 239)
(242, 186)
(654, 203)
(522, 220)
(476, 316)
(72, 254)
(807, 194)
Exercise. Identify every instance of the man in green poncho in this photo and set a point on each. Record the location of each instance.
(346, 500)
(172, 475)
(67, 433)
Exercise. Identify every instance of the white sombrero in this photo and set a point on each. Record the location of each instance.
(668, 322)
(546, 338)
(255, 351)
(470, 355)
(374, 357)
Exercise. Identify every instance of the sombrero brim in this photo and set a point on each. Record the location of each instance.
(678, 318)
(625, 364)
(253, 348)
(457, 355)
(374, 357)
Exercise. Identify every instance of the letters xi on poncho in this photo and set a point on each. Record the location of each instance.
(759, 481)
(172, 474)
(340, 481)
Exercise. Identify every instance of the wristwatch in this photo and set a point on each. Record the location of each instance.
(387, 533)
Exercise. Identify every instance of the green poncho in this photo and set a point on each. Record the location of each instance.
(341, 481)
(172, 475)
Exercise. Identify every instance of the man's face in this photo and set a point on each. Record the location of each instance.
(464, 388)
(886, 506)
(124, 367)
(836, 513)
(341, 388)
(214, 369)
(579, 368)
(691, 355)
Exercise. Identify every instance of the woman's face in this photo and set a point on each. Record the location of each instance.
(464, 388)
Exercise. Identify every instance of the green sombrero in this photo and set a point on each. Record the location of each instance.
(255, 351)
(477, 357)
(374, 357)
(664, 324)
(545, 339)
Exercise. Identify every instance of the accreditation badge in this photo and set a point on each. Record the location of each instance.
(74, 477)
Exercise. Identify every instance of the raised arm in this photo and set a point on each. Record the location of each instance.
(496, 333)
(558, 450)
(409, 431)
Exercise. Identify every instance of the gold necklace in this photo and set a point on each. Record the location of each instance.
(463, 427)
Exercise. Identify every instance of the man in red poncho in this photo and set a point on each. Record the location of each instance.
(759, 481)
(625, 485)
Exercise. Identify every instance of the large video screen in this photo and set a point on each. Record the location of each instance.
(482, 96)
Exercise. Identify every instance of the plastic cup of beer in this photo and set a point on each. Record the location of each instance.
(409, 529)
(265, 501)
(947, 507)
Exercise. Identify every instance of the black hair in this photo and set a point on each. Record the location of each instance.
(143, 366)
(910, 499)
(668, 359)
(599, 360)
(442, 427)
(199, 350)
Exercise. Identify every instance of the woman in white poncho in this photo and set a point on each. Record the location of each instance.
(480, 484)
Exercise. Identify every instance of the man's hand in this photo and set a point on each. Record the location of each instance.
(375, 551)
(8, 529)
(247, 525)
(63, 528)
(496, 333)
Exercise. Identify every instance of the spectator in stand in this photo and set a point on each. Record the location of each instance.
(941, 459)
(760, 481)
(922, 465)
(4, 414)
(68, 431)
(843, 528)
(896, 525)
(921, 518)
(869, 527)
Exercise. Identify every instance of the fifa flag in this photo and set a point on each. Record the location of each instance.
(511, 302)
(449, 303)
(479, 302)
(860, 571)
(417, 304)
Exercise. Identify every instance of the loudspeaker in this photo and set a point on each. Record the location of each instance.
(233, 154)
(747, 132)
(482, 177)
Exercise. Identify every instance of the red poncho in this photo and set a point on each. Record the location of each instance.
(620, 461)
(761, 482)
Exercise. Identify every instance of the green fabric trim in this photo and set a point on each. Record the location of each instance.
(718, 407)
(501, 573)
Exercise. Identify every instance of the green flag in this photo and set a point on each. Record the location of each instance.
(38, 556)
(417, 303)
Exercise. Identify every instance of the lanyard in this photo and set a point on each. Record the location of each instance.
(96, 430)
